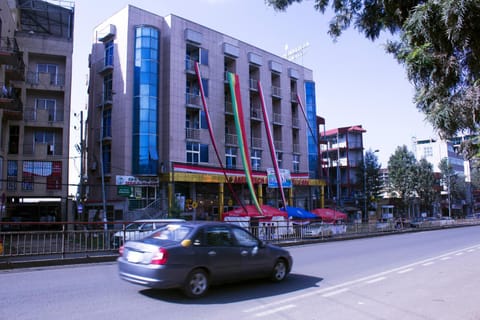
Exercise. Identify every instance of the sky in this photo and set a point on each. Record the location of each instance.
(357, 82)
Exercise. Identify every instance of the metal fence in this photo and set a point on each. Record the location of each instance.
(77, 240)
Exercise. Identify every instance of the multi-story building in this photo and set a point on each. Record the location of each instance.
(36, 48)
(342, 158)
(149, 141)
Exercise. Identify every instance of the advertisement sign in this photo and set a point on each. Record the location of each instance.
(285, 178)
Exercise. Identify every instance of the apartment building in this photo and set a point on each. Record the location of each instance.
(342, 158)
(151, 147)
(36, 47)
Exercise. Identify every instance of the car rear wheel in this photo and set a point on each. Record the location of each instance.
(279, 271)
(196, 284)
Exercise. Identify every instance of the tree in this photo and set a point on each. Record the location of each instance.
(437, 42)
(401, 174)
(425, 188)
(369, 180)
(452, 182)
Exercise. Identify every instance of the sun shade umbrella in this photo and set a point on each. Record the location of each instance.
(329, 215)
(299, 213)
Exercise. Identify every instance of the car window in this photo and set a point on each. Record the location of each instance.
(133, 226)
(147, 226)
(218, 237)
(172, 232)
(244, 238)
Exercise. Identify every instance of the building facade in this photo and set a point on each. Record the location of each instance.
(35, 76)
(162, 135)
(342, 158)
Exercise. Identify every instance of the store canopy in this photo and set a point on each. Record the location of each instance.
(251, 211)
(329, 215)
(299, 213)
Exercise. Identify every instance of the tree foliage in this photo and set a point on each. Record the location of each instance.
(425, 186)
(438, 43)
(401, 173)
(369, 178)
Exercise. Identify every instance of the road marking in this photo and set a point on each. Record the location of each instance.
(459, 254)
(354, 281)
(334, 293)
(376, 280)
(405, 270)
(445, 258)
(428, 263)
(271, 311)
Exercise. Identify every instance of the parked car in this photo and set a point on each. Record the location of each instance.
(316, 230)
(139, 229)
(417, 223)
(195, 255)
(445, 221)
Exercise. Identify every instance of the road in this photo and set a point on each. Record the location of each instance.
(421, 275)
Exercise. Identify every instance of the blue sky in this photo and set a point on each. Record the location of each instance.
(357, 83)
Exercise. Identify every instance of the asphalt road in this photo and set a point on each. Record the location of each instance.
(423, 275)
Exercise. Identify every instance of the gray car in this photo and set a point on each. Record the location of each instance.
(194, 255)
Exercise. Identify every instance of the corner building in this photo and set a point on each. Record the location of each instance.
(149, 147)
(36, 46)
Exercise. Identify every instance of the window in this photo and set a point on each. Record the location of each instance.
(107, 88)
(107, 123)
(109, 53)
(427, 151)
(197, 153)
(51, 69)
(244, 238)
(27, 182)
(49, 105)
(218, 237)
(296, 163)
(256, 159)
(279, 159)
(107, 158)
(231, 157)
(13, 139)
(12, 172)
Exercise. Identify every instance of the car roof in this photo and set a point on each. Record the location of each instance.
(159, 220)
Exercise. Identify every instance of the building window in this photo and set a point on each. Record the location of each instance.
(13, 139)
(145, 100)
(49, 105)
(256, 159)
(428, 151)
(296, 163)
(1, 172)
(109, 53)
(197, 153)
(51, 69)
(107, 158)
(280, 159)
(12, 173)
(107, 87)
(27, 182)
(107, 123)
(231, 157)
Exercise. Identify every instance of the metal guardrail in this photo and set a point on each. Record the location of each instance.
(57, 240)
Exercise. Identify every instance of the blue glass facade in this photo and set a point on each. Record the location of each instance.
(311, 111)
(145, 101)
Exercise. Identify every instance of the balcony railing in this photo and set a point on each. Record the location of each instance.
(255, 112)
(193, 100)
(277, 118)
(231, 139)
(295, 122)
(256, 142)
(278, 145)
(45, 79)
(192, 134)
(34, 114)
(276, 92)
(43, 149)
(253, 84)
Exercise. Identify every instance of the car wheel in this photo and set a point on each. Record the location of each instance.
(196, 284)
(279, 271)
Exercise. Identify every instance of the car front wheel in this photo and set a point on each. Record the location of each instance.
(196, 284)
(279, 270)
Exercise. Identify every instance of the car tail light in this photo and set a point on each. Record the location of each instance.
(160, 257)
(120, 251)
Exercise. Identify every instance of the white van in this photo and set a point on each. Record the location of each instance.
(139, 229)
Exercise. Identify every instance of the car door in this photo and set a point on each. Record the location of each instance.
(256, 260)
(216, 250)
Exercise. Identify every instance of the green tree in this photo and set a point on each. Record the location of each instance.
(436, 40)
(425, 186)
(402, 172)
(369, 178)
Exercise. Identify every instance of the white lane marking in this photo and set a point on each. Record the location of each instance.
(459, 254)
(376, 280)
(428, 263)
(271, 311)
(405, 270)
(470, 250)
(352, 282)
(334, 293)
(445, 258)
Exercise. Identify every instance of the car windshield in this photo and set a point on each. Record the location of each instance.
(171, 232)
(134, 226)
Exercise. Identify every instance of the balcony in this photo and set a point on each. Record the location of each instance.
(277, 118)
(293, 97)
(257, 143)
(276, 92)
(42, 115)
(255, 113)
(104, 99)
(104, 65)
(12, 58)
(296, 148)
(45, 81)
(190, 66)
(193, 100)
(295, 122)
(278, 145)
(10, 103)
(231, 139)
(252, 84)
(228, 107)
(192, 134)
(42, 150)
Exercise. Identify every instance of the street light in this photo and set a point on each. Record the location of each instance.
(365, 186)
